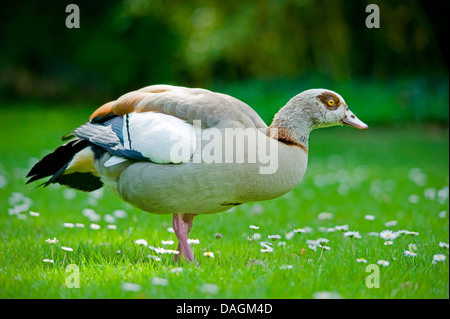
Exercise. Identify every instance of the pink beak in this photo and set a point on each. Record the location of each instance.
(351, 120)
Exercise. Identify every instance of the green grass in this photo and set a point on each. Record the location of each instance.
(351, 174)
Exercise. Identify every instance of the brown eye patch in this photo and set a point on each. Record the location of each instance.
(330, 100)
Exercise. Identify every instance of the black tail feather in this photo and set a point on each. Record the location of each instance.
(54, 165)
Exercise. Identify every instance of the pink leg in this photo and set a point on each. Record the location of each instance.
(182, 224)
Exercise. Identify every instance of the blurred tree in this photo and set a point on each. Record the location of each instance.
(126, 44)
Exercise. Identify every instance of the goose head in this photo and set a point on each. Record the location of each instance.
(309, 110)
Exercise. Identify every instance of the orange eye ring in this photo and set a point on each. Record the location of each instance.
(330, 102)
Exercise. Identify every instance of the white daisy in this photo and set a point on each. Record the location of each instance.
(68, 225)
(389, 242)
(52, 241)
(209, 288)
(382, 262)
(193, 241)
(66, 248)
(352, 234)
(79, 225)
(391, 223)
(119, 213)
(155, 258)
(443, 245)
(254, 227)
(325, 215)
(208, 254)
(342, 228)
(299, 230)
(410, 253)
(34, 214)
(49, 261)
(111, 227)
(412, 247)
(388, 235)
(290, 235)
(322, 240)
(141, 242)
(160, 281)
(274, 237)
(176, 270)
(167, 242)
(369, 217)
(128, 286)
(170, 230)
(286, 267)
(94, 226)
(439, 257)
(362, 260)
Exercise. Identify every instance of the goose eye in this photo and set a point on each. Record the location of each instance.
(330, 102)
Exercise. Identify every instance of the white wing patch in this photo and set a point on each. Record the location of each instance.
(114, 160)
(160, 137)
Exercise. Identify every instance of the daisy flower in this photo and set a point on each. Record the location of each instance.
(274, 237)
(410, 253)
(66, 248)
(49, 261)
(286, 267)
(52, 241)
(160, 281)
(412, 247)
(443, 245)
(79, 225)
(255, 236)
(290, 235)
(362, 260)
(34, 214)
(119, 213)
(141, 242)
(369, 217)
(218, 235)
(193, 241)
(254, 227)
(111, 227)
(383, 263)
(155, 258)
(267, 248)
(208, 254)
(352, 234)
(167, 242)
(209, 288)
(413, 233)
(388, 234)
(299, 230)
(391, 223)
(389, 242)
(322, 240)
(128, 286)
(439, 257)
(94, 226)
(342, 228)
(176, 270)
(68, 225)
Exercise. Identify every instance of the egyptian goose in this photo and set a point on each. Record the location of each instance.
(184, 151)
